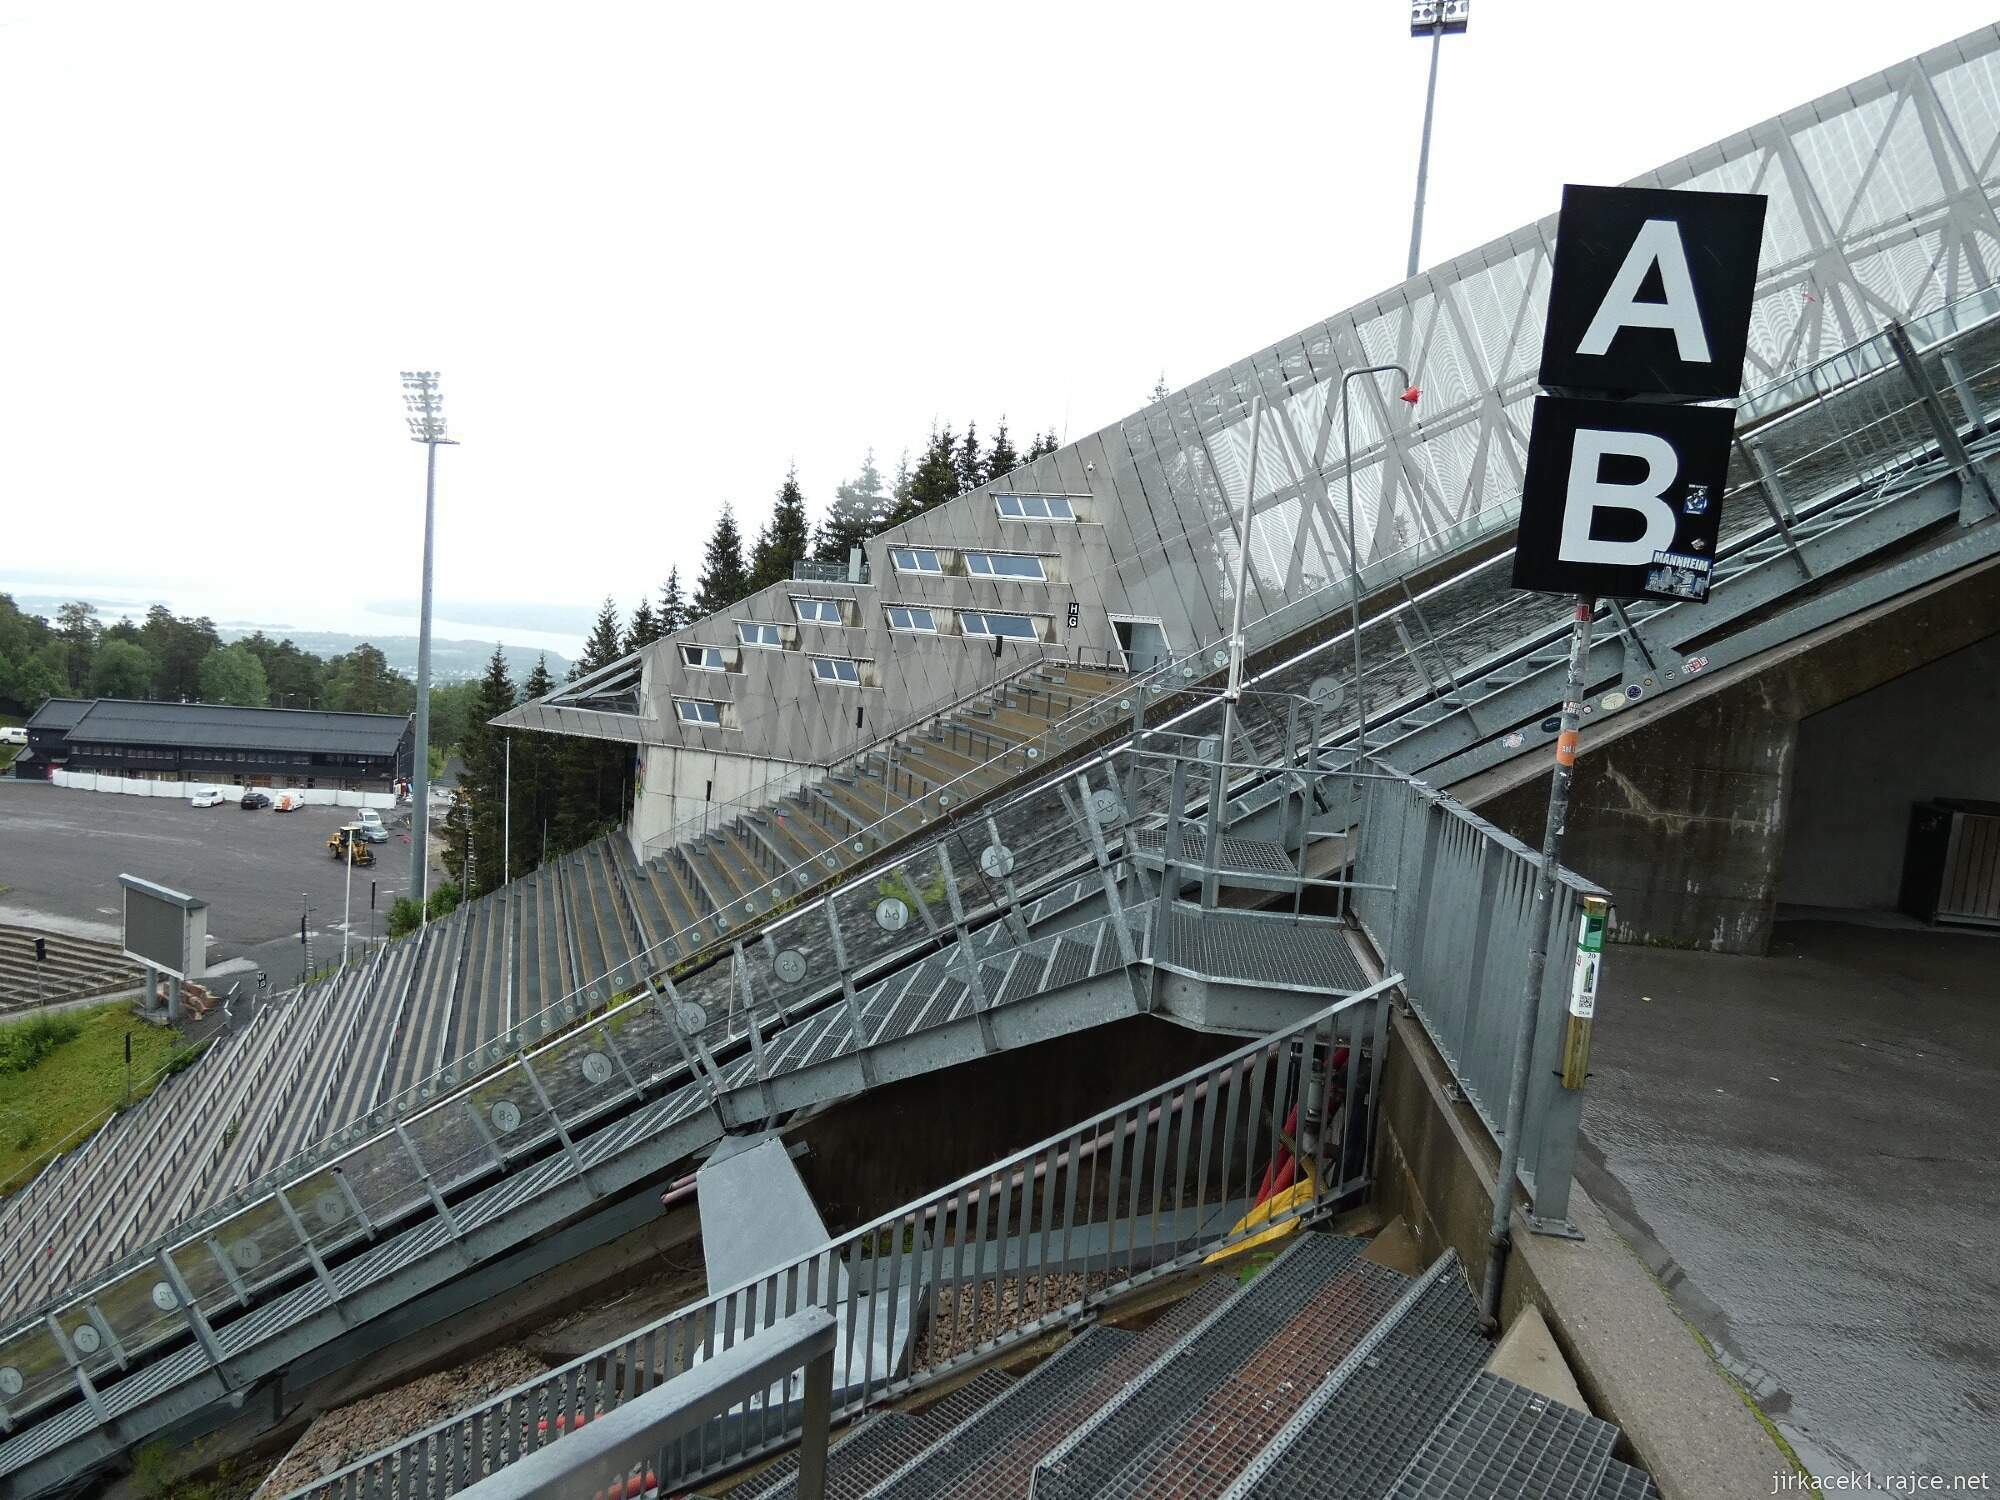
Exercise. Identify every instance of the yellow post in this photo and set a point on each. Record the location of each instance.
(1583, 991)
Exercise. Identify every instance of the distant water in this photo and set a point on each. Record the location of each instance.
(231, 609)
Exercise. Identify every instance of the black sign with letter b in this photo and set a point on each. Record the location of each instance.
(1621, 500)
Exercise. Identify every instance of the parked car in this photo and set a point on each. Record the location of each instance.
(13, 734)
(369, 822)
(254, 800)
(207, 796)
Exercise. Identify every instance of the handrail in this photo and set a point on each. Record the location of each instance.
(1072, 1209)
(811, 772)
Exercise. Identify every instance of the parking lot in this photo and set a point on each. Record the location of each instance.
(62, 851)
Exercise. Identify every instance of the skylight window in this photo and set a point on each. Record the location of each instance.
(1035, 507)
(1005, 565)
(915, 560)
(987, 624)
(910, 617)
(838, 670)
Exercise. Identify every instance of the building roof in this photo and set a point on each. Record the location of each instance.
(59, 713)
(117, 721)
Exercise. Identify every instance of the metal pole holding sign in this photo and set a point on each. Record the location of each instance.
(1649, 312)
(1498, 1235)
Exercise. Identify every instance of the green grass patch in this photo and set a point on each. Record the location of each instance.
(73, 1080)
(7, 754)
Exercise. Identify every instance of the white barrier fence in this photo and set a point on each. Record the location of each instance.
(134, 786)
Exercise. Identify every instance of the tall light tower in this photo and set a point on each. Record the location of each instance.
(1435, 19)
(426, 419)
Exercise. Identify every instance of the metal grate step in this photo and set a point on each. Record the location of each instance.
(993, 1456)
(1504, 1440)
(1353, 1438)
(1213, 1401)
(1623, 1482)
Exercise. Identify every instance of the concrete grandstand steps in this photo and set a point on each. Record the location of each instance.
(415, 1048)
(353, 1092)
(865, 802)
(877, 1446)
(74, 969)
(993, 1454)
(306, 1119)
(1208, 1406)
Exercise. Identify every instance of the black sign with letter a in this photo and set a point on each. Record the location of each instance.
(1622, 500)
(1651, 292)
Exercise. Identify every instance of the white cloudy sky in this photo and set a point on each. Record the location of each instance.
(661, 251)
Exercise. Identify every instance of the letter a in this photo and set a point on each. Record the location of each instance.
(1657, 243)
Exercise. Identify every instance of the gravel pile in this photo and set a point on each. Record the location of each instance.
(992, 1307)
(348, 1433)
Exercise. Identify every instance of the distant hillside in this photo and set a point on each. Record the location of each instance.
(451, 661)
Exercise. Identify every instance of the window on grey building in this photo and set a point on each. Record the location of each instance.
(838, 670)
(1035, 507)
(1005, 565)
(910, 617)
(699, 711)
(755, 633)
(915, 560)
(817, 611)
(703, 658)
(986, 623)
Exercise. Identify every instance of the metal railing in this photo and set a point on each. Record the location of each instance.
(996, 1259)
(624, 1452)
(716, 815)
(1449, 900)
(806, 570)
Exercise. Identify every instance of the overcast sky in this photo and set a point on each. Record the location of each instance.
(661, 251)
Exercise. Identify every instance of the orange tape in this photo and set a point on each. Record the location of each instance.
(1566, 748)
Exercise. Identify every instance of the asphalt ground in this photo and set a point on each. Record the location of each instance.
(1801, 1147)
(63, 849)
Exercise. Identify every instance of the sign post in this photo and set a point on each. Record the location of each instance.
(1649, 309)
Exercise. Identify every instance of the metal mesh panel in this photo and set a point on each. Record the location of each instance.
(1214, 1401)
(1505, 1440)
(1363, 1430)
(1623, 1482)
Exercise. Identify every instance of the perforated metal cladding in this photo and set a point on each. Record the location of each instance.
(1374, 1422)
(1505, 1440)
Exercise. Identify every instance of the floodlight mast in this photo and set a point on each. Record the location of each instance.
(1435, 19)
(426, 421)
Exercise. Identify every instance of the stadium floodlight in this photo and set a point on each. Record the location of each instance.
(426, 422)
(1435, 19)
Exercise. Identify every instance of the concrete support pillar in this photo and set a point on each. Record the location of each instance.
(1684, 821)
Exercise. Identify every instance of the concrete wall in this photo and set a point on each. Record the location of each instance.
(1687, 818)
(1859, 765)
(681, 784)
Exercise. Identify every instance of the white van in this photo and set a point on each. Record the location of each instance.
(13, 734)
(206, 796)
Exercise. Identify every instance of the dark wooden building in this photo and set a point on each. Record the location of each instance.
(281, 747)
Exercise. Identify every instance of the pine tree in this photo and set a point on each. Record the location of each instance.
(724, 579)
(971, 471)
(935, 480)
(484, 782)
(537, 776)
(1042, 446)
(1000, 457)
(645, 627)
(859, 505)
(785, 539)
(605, 644)
(673, 604)
(1159, 391)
